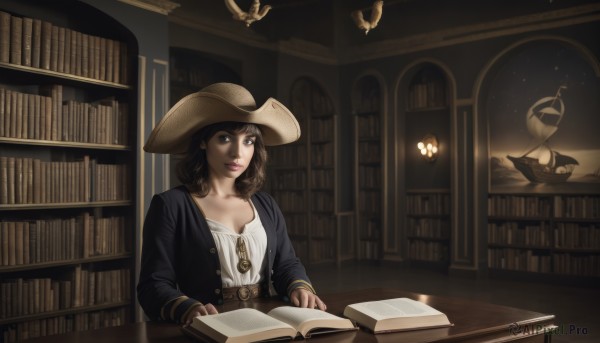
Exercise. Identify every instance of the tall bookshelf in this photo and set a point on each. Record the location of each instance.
(427, 220)
(303, 177)
(428, 226)
(547, 235)
(368, 169)
(67, 108)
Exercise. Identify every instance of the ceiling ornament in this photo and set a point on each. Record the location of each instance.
(255, 13)
(376, 11)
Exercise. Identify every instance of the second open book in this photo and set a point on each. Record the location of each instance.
(399, 314)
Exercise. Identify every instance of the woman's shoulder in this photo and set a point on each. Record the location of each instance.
(266, 200)
(174, 194)
(263, 196)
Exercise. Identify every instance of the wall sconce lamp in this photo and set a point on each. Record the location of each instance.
(428, 147)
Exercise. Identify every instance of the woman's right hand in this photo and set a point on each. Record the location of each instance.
(200, 310)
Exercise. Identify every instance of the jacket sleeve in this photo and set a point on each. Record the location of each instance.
(288, 271)
(157, 289)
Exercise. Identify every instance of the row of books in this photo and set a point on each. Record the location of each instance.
(290, 179)
(64, 324)
(369, 227)
(323, 227)
(369, 126)
(321, 129)
(322, 155)
(369, 101)
(557, 263)
(192, 76)
(321, 251)
(37, 43)
(427, 251)
(516, 233)
(296, 179)
(429, 94)
(32, 181)
(322, 202)
(582, 265)
(290, 201)
(369, 250)
(519, 259)
(322, 178)
(309, 100)
(22, 297)
(428, 204)
(290, 155)
(519, 206)
(369, 176)
(369, 201)
(571, 235)
(577, 206)
(48, 240)
(428, 227)
(40, 117)
(369, 152)
(559, 206)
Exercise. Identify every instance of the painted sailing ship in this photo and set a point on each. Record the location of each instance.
(542, 164)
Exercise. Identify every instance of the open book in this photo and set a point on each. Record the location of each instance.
(250, 325)
(395, 315)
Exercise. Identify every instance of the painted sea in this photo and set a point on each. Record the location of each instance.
(504, 178)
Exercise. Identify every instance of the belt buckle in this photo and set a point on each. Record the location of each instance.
(244, 293)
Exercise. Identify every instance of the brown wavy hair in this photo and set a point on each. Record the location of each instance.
(192, 170)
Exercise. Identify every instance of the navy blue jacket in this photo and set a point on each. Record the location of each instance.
(180, 260)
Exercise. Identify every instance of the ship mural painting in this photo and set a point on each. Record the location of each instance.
(541, 163)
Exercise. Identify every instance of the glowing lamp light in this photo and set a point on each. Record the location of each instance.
(428, 147)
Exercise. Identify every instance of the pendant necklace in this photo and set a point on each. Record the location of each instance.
(244, 263)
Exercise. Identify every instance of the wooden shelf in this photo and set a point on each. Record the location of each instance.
(62, 263)
(64, 144)
(54, 74)
(310, 166)
(64, 312)
(55, 105)
(552, 258)
(52, 206)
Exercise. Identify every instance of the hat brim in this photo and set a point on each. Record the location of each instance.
(173, 133)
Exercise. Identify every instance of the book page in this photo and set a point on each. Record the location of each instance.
(240, 322)
(399, 307)
(296, 315)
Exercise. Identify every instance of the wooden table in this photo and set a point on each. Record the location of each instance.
(473, 322)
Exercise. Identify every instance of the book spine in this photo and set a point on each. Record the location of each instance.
(5, 35)
(46, 45)
(16, 38)
(27, 41)
(36, 43)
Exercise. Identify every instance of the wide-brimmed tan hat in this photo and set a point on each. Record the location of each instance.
(221, 102)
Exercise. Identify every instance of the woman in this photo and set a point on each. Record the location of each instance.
(217, 237)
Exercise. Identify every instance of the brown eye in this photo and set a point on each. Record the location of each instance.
(224, 138)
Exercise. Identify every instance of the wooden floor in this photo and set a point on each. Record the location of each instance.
(575, 308)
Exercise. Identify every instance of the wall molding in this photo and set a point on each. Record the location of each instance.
(159, 6)
(472, 33)
(421, 42)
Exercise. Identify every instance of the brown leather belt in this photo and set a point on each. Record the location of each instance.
(242, 293)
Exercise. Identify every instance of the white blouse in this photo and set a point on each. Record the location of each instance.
(254, 236)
